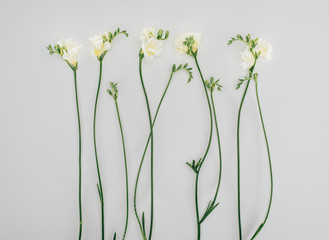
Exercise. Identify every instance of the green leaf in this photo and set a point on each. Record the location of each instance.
(186, 68)
(258, 230)
(195, 166)
(100, 193)
(50, 49)
(143, 223)
(211, 206)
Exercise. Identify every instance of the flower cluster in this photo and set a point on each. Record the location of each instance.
(68, 49)
(113, 90)
(255, 48)
(213, 84)
(102, 43)
(188, 43)
(152, 42)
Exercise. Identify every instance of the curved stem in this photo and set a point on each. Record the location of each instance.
(151, 133)
(126, 169)
(79, 126)
(219, 148)
(238, 157)
(269, 161)
(99, 185)
(145, 149)
(205, 154)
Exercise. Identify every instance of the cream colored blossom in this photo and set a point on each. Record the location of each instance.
(247, 58)
(69, 50)
(264, 48)
(151, 46)
(99, 44)
(147, 33)
(181, 48)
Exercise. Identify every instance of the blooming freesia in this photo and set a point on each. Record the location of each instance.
(68, 49)
(263, 49)
(100, 43)
(247, 58)
(151, 45)
(187, 42)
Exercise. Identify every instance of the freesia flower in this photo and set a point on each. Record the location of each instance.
(147, 33)
(187, 41)
(151, 45)
(68, 50)
(247, 58)
(256, 48)
(264, 48)
(100, 43)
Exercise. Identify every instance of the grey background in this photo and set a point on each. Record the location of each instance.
(38, 129)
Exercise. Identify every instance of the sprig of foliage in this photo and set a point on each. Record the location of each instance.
(110, 36)
(252, 43)
(242, 80)
(189, 41)
(195, 166)
(50, 49)
(183, 67)
(211, 206)
(143, 224)
(212, 84)
(114, 90)
(160, 35)
(55, 49)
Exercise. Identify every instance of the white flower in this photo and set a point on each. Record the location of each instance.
(147, 33)
(247, 58)
(151, 46)
(70, 50)
(100, 46)
(265, 48)
(181, 47)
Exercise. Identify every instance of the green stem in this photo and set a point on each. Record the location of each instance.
(79, 126)
(251, 70)
(99, 185)
(269, 161)
(205, 154)
(219, 148)
(126, 170)
(238, 157)
(144, 153)
(151, 132)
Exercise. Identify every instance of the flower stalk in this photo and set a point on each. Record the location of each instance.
(188, 43)
(101, 45)
(141, 56)
(69, 51)
(80, 170)
(99, 185)
(255, 49)
(173, 71)
(205, 153)
(114, 93)
(151, 46)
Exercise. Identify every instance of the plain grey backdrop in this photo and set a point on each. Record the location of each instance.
(38, 127)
